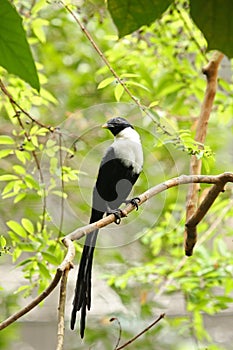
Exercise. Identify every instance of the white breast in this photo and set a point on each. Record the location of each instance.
(127, 146)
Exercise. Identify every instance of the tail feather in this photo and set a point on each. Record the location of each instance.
(83, 321)
(82, 296)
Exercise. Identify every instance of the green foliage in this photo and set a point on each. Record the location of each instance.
(215, 23)
(43, 253)
(47, 172)
(130, 15)
(213, 18)
(3, 246)
(8, 301)
(205, 279)
(15, 55)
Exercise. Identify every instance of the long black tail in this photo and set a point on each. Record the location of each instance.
(82, 296)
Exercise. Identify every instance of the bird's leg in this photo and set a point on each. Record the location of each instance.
(118, 213)
(134, 201)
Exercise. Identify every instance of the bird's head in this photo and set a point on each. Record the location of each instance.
(115, 125)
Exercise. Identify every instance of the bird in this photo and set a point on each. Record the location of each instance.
(118, 172)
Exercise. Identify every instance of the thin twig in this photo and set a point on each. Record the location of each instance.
(141, 333)
(143, 108)
(61, 311)
(44, 201)
(41, 176)
(120, 331)
(62, 185)
(16, 104)
(18, 109)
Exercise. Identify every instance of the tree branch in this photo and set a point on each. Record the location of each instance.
(65, 265)
(18, 110)
(181, 180)
(34, 302)
(137, 102)
(193, 221)
(61, 311)
(120, 331)
(21, 109)
(141, 333)
(211, 72)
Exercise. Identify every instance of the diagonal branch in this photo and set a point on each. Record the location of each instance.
(211, 72)
(34, 302)
(21, 109)
(65, 265)
(120, 81)
(141, 333)
(193, 221)
(181, 180)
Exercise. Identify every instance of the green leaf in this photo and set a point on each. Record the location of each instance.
(6, 140)
(2, 241)
(28, 145)
(21, 289)
(137, 84)
(38, 6)
(8, 177)
(60, 194)
(118, 92)
(27, 247)
(37, 27)
(153, 104)
(17, 228)
(214, 19)
(22, 156)
(15, 238)
(16, 253)
(19, 197)
(27, 224)
(105, 82)
(31, 182)
(130, 15)
(44, 271)
(5, 152)
(19, 169)
(27, 261)
(15, 53)
(50, 258)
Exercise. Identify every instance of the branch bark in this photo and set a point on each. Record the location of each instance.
(65, 265)
(61, 311)
(34, 302)
(180, 180)
(211, 72)
(141, 333)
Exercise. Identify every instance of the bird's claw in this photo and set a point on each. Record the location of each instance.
(118, 213)
(134, 201)
(117, 217)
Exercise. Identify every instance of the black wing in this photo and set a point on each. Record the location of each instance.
(114, 182)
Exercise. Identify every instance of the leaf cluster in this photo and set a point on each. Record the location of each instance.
(44, 167)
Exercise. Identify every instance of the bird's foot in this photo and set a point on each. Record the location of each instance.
(134, 201)
(118, 213)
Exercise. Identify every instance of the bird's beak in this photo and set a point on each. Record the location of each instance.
(105, 126)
